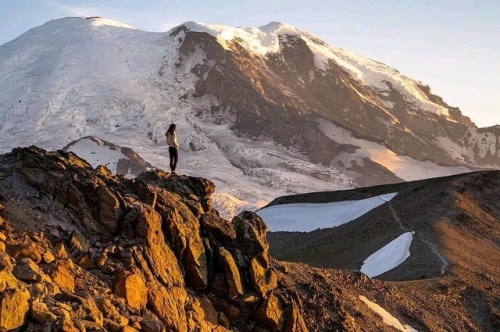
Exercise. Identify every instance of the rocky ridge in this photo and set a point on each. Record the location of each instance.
(84, 250)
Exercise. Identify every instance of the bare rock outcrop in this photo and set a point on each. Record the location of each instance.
(86, 250)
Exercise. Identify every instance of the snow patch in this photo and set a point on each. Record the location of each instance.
(387, 318)
(306, 217)
(388, 257)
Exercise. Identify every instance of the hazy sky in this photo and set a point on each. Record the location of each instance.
(451, 45)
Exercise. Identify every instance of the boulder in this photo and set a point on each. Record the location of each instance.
(26, 248)
(41, 313)
(263, 280)
(14, 307)
(60, 251)
(270, 314)
(86, 263)
(151, 322)
(27, 270)
(221, 228)
(233, 278)
(78, 241)
(132, 288)
(251, 231)
(5, 261)
(61, 272)
(7, 280)
(48, 257)
(168, 305)
(109, 311)
(108, 208)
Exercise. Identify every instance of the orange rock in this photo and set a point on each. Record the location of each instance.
(86, 263)
(233, 279)
(62, 275)
(263, 280)
(270, 314)
(14, 307)
(132, 288)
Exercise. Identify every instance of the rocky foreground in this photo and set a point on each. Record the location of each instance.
(84, 250)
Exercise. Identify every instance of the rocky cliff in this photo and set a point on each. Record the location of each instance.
(84, 250)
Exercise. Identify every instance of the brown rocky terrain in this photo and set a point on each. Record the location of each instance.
(84, 250)
(455, 252)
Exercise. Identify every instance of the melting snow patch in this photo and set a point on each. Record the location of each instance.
(387, 318)
(389, 256)
(306, 217)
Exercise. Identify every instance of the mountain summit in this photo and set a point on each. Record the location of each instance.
(263, 111)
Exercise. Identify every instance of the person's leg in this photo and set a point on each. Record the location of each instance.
(174, 156)
(171, 153)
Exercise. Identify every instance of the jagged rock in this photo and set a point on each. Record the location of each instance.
(108, 208)
(14, 307)
(168, 305)
(109, 311)
(61, 272)
(41, 313)
(48, 257)
(108, 269)
(271, 313)
(101, 260)
(65, 324)
(40, 290)
(151, 322)
(27, 270)
(7, 280)
(86, 263)
(5, 261)
(132, 288)
(60, 251)
(251, 231)
(233, 278)
(295, 322)
(219, 227)
(176, 248)
(23, 249)
(263, 280)
(78, 241)
(84, 325)
(183, 228)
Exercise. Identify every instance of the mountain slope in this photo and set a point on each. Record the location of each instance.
(453, 220)
(264, 112)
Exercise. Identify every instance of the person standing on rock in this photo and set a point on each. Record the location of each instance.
(173, 147)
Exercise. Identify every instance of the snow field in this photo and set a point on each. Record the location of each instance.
(306, 217)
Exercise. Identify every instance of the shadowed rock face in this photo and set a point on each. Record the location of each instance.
(282, 95)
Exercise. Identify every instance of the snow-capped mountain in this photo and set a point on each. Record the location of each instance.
(262, 112)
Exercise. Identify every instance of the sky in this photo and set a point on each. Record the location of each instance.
(451, 45)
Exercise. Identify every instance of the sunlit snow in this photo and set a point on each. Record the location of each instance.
(306, 217)
(404, 167)
(389, 256)
(387, 318)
